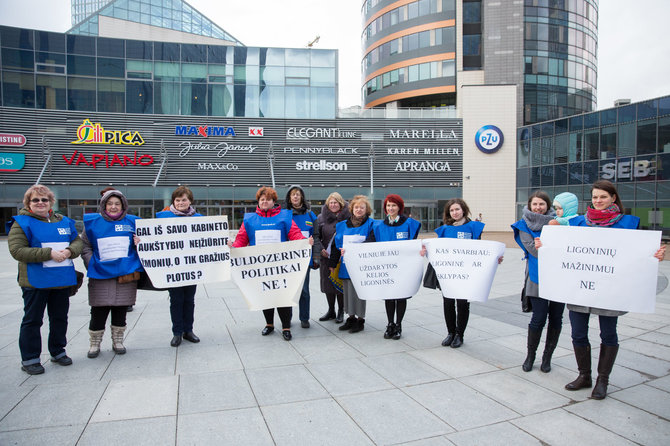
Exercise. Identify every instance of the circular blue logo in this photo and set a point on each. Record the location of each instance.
(489, 139)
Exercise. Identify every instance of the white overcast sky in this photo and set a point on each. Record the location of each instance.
(633, 53)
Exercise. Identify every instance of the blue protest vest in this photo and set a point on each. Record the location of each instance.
(254, 222)
(38, 232)
(469, 230)
(341, 229)
(97, 228)
(306, 224)
(532, 260)
(626, 222)
(408, 230)
(170, 214)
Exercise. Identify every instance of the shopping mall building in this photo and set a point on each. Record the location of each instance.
(178, 100)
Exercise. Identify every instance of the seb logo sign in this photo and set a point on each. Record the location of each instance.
(627, 170)
(12, 162)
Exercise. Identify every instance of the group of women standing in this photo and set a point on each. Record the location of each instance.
(605, 211)
(45, 243)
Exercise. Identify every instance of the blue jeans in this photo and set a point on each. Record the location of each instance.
(543, 308)
(182, 307)
(35, 301)
(303, 304)
(580, 329)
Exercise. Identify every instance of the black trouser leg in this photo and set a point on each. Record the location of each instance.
(285, 314)
(401, 305)
(390, 309)
(449, 314)
(269, 314)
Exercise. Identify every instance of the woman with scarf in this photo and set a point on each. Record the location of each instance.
(113, 268)
(356, 229)
(457, 224)
(304, 218)
(334, 211)
(269, 224)
(395, 226)
(537, 214)
(605, 211)
(44, 243)
(182, 299)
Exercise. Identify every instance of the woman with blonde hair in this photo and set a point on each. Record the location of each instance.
(44, 243)
(333, 211)
(356, 229)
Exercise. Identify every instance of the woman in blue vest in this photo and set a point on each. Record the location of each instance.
(605, 211)
(536, 215)
(305, 219)
(269, 224)
(44, 243)
(457, 224)
(356, 229)
(182, 299)
(113, 268)
(395, 226)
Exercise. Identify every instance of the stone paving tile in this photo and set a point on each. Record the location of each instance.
(76, 402)
(270, 351)
(10, 396)
(142, 363)
(459, 405)
(320, 422)
(223, 428)
(656, 337)
(324, 349)
(661, 383)
(453, 362)
(200, 358)
(287, 384)
(633, 424)
(500, 434)
(59, 435)
(402, 369)
(138, 398)
(138, 432)
(558, 428)
(647, 348)
(496, 355)
(348, 377)
(392, 417)
(648, 398)
(210, 392)
(515, 393)
(642, 363)
(433, 441)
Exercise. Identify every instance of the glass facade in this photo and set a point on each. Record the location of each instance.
(170, 14)
(560, 58)
(409, 53)
(628, 145)
(73, 72)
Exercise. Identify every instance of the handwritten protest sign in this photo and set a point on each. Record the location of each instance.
(385, 270)
(612, 269)
(464, 268)
(271, 275)
(184, 251)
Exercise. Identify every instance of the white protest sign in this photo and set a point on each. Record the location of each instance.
(385, 270)
(612, 269)
(465, 268)
(271, 275)
(184, 251)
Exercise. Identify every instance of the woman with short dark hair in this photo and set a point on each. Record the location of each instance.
(182, 298)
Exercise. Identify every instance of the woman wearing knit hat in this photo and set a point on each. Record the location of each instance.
(457, 224)
(565, 205)
(395, 226)
(113, 267)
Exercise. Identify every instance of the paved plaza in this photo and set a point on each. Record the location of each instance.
(327, 386)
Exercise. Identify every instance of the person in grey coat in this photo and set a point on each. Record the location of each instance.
(113, 266)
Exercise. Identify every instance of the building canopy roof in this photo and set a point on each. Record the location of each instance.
(176, 15)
